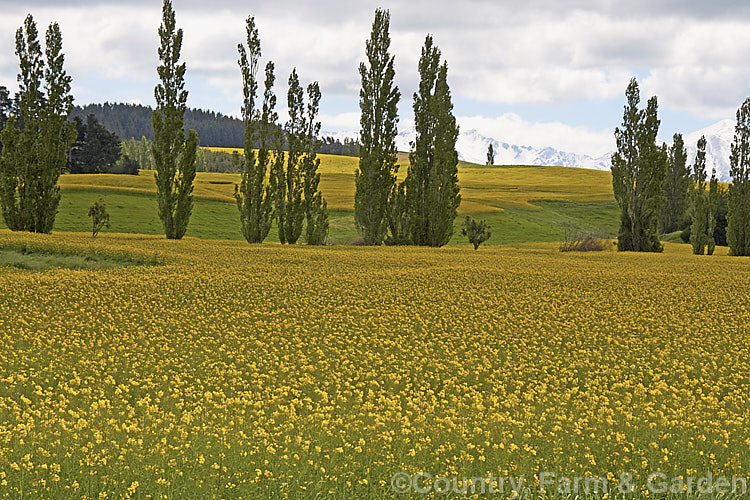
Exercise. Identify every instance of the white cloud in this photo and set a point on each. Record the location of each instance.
(343, 122)
(508, 127)
(692, 53)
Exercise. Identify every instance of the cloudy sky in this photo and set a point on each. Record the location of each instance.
(537, 72)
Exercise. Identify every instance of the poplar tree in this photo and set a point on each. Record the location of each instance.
(316, 208)
(699, 229)
(375, 176)
(738, 215)
(292, 214)
(638, 171)
(277, 181)
(490, 155)
(678, 188)
(432, 192)
(36, 140)
(173, 154)
(253, 195)
(713, 211)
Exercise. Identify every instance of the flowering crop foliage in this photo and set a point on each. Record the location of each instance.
(236, 371)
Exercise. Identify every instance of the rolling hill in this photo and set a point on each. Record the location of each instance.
(521, 203)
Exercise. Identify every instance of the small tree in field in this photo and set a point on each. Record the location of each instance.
(99, 217)
(477, 231)
(490, 155)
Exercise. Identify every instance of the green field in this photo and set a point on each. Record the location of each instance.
(520, 203)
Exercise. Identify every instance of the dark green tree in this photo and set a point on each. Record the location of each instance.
(490, 155)
(477, 231)
(253, 195)
(96, 150)
(432, 192)
(378, 101)
(699, 231)
(173, 154)
(399, 216)
(722, 202)
(678, 188)
(638, 171)
(316, 208)
(36, 140)
(6, 108)
(291, 216)
(738, 216)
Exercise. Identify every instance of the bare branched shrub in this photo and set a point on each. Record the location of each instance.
(576, 241)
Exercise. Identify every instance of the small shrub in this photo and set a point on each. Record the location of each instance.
(100, 217)
(125, 165)
(477, 231)
(577, 242)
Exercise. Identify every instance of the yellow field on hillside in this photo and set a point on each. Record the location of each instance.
(237, 371)
(483, 189)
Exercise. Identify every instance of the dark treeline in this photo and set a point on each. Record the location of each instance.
(134, 121)
(214, 129)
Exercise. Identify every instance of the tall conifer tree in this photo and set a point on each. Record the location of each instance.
(253, 195)
(292, 214)
(699, 228)
(316, 208)
(36, 140)
(173, 155)
(638, 171)
(431, 184)
(378, 100)
(678, 187)
(738, 214)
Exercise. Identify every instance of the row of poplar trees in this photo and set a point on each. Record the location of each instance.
(658, 193)
(275, 185)
(421, 209)
(36, 143)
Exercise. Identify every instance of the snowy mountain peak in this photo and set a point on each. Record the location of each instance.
(472, 147)
(719, 137)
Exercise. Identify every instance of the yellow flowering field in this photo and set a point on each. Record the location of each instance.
(225, 370)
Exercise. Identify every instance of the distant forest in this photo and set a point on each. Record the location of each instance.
(214, 129)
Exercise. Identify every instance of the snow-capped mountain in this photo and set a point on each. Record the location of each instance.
(472, 147)
(719, 138)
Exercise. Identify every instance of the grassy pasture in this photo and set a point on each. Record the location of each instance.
(520, 203)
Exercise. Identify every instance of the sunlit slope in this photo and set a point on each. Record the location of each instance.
(521, 203)
(483, 189)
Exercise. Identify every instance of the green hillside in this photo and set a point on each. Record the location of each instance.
(521, 203)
